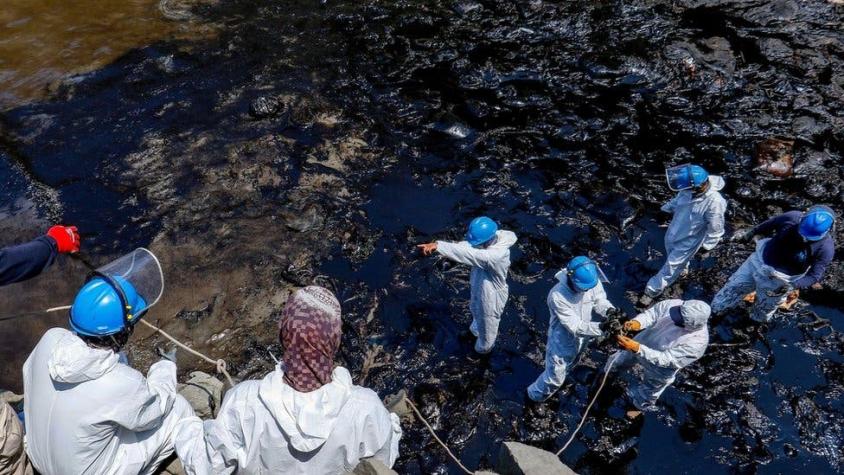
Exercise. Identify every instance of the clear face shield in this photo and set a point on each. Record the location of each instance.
(680, 177)
(138, 278)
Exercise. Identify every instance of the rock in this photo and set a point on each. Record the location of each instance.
(775, 156)
(373, 467)
(397, 404)
(307, 219)
(485, 472)
(264, 107)
(173, 468)
(520, 459)
(204, 393)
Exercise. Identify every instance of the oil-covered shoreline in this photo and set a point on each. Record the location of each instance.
(318, 143)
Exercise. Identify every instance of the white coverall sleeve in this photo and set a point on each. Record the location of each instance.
(569, 318)
(196, 452)
(212, 446)
(677, 357)
(464, 253)
(670, 205)
(385, 433)
(651, 315)
(144, 406)
(601, 305)
(714, 226)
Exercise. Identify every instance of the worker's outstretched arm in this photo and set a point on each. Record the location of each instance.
(651, 315)
(25, 261)
(464, 253)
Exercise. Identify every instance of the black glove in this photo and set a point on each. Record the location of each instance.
(616, 314)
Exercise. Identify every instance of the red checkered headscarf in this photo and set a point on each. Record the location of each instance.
(309, 330)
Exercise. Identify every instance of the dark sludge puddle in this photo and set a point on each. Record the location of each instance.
(556, 119)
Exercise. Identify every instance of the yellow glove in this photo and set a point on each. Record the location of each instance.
(632, 326)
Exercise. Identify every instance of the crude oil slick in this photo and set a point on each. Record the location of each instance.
(309, 142)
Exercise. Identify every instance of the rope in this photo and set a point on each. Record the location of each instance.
(34, 314)
(442, 444)
(220, 363)
(594, 398)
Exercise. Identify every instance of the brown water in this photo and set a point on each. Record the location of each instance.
(42, 41)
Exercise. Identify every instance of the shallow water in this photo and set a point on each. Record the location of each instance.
(383, 126)
(42, 42)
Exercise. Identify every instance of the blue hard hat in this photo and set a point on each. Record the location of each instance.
(816, 223)
(584, 273)
(684, 177)
(98, 310)
(481, 230)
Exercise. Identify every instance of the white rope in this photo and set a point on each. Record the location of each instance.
(220, 363)
(442, 444)
(594, 398)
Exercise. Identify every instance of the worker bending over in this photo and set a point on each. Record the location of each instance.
(674, 334)
(795, 257)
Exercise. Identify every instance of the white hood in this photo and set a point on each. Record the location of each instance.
(716, 183)
(72, 361)
(504, 240)
(307, 418)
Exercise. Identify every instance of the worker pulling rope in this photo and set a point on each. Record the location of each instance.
(220, 363)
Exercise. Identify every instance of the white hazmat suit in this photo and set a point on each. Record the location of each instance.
(89, 414)
(268, 427)
(665, 348)
(698, 222)
(488, 283)
(570, 329)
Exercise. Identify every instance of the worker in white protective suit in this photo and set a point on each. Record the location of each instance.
(87, 411)
(674, 334)
(574, 303)
(487, 250)
(698, 222)
(306, 417)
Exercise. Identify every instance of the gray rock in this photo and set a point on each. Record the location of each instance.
(520, 459)
(485, 472)
(397, 404)
(373, 467)
(173, 468)
(204, 393)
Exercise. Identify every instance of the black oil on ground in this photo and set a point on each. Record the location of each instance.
(320, 143)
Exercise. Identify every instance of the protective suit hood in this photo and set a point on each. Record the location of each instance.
(695, 314)
(716, 183)
(308, 419)
(504, 240)
(73, 361)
